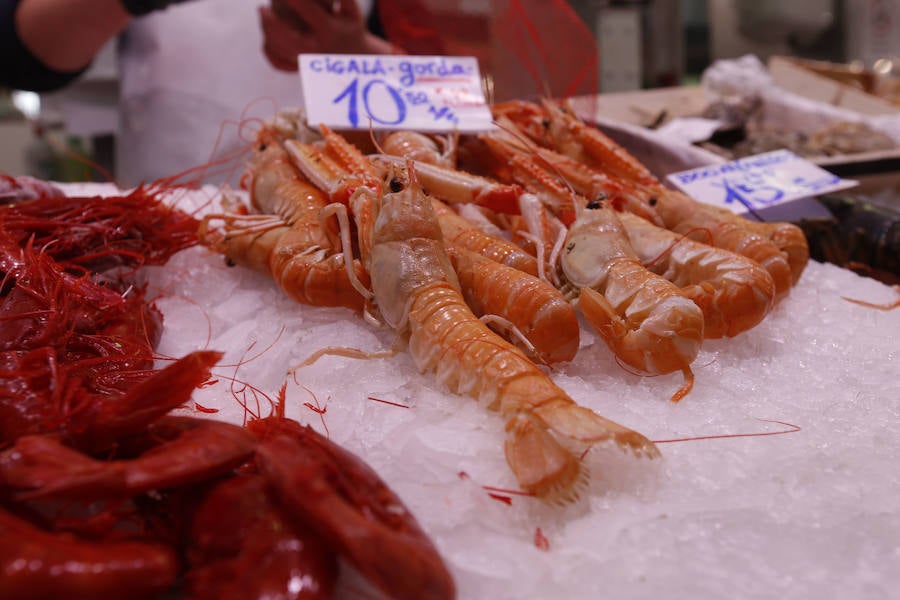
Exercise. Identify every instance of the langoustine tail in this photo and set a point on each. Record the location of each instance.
(540, 463)
(584, 425)
(542, 437)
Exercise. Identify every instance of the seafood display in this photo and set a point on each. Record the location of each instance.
(416, 291)
(565, 214)
(105, 502)
(816, 361)
(104, 492)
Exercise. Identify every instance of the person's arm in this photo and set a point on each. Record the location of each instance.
(65, 35)
(45, 44)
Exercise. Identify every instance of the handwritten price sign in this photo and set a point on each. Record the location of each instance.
(758, 182)
(425, 93)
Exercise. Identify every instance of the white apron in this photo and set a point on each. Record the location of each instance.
(188, 75)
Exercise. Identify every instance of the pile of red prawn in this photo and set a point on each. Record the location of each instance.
(479, 251)
(103, 493)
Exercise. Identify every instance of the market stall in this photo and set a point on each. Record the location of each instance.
(703, 413)
(775, 463)
(807, 512)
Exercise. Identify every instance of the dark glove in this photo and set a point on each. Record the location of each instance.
(142, 7)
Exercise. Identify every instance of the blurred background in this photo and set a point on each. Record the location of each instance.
(641, 44)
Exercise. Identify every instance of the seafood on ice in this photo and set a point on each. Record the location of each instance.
(444, 250)
(104, 493)
(418, 294)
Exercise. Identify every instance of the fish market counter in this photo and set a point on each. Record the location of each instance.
(778, 472)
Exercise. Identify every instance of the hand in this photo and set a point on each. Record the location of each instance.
(292, 27)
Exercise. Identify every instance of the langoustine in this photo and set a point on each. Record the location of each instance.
(734, 292)
(286, 239)
(422, 300)
(780, 247)
(521, 301)
(648, 322)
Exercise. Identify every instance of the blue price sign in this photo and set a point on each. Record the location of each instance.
(758, 182)
(424, 93)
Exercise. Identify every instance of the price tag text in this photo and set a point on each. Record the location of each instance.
(758, 182)
(425, 93)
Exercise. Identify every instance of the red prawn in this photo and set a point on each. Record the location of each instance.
(97, 484)
(97, 233)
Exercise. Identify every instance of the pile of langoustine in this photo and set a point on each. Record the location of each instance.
(104, 493)
(479, 264)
